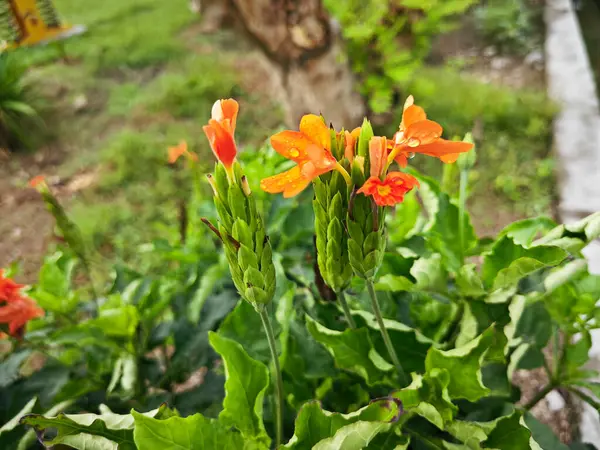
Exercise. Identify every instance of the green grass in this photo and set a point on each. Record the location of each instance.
(147, 87)
(515, 169)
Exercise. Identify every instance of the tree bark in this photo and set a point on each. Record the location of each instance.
(304, 51)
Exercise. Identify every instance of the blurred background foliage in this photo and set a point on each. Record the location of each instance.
(144, 76)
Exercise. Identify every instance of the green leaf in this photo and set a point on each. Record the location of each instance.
(543, 434)
(107, 431)
(523, 232)
(117, 322)
(428, 396)
(351, 350)
(191, 433)
(394, 283)
(319, 429)
(445, 238)
(508, 262)
(464, 366)
(14, 422)
(468, 281)
(210, 278)
(411, 346)
(509, 434)
(29, 437)
(577, 354)
(10, 368)
(245, 386)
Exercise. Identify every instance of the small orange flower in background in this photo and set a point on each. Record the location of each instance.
(310, 149)
(221, 129)
(179, 150)
(391, 190)
(419, 135)
(15, 308)
(37, 181)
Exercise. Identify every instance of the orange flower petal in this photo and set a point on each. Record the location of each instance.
(37, 180)
(221, 142)
(290, 182)
(226, 111)
(447, 151)
(291, 145)
(412, 114)
(377, 155)
(349, 146)
(177, 151)
(18, 312)
(391, 190)
(8, 288)
(422, 133)
(315, 129)
(320, 157)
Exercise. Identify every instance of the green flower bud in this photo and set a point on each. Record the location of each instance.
(244, 238)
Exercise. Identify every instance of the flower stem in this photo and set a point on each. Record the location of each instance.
(462, 202)
(344, 173)
(385, 335)
(264, 316)
(342, 298)
(540, 396)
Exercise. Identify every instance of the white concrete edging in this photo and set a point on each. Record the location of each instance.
(577, 145)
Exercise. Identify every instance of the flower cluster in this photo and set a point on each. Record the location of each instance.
(15, 308)
(312, 149)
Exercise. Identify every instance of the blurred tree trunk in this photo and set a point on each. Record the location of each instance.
(302, 46)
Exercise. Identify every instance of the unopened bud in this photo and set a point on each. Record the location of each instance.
(246, 186)
(211, 181)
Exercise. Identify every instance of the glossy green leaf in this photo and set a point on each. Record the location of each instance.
(464, 367)
(508, 262)
(106, 431)
(468, 281)
(410, 345)
(394, 283)
(14, 422)
(319, 429)
(118, 322)
(351, 350)
(524, 232)
(428, 396)
(509, 434)
(245, 386)
(191, 433)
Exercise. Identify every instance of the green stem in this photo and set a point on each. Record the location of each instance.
(342, 298)
(264, 316)
(586, 398)
(462, 205)
(384, 333)
(540, 395)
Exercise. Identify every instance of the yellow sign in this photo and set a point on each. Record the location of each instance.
(34, 26)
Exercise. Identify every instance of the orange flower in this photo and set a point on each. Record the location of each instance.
(220, 130)
(351, 140)
(310, 149)
(419, 135)
(179, 150)
(391, 190)
(8, 288)
(37, 180)
(17, 312)
(15, 309)
(377, 155)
